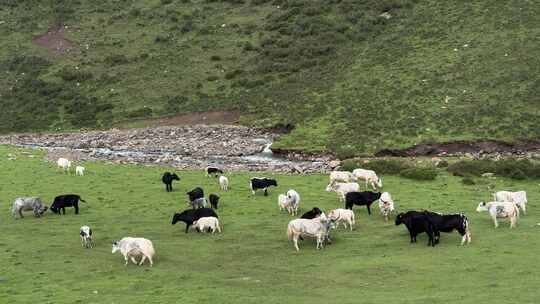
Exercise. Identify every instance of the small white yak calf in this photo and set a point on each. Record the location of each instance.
(224, 183)
(209, 222)
(79, 170)
(386, 205)
(86, 237)
(344, 216)
(64, 164)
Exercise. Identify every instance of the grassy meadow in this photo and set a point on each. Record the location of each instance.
(42, 260)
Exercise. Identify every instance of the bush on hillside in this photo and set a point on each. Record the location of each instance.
(69, 73)
(442, 164)
(420, 173)
(467, 180)
(516, 169)
(380, 166)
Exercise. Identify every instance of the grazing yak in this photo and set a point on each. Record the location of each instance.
(416, 222)
(199, 203)
(167, 179)
(195, 194)
(213, 171)
(344, 216)
(224, 183)
(519, 198)
(318, 228)
(79, 170)
(132, 248)
(342, 189)
(86, 237)
(191, 215)
(214, 200)
(361, 198)
(28, 203)
(448, 223)
(500, 210)
(68, 200)
(261, 183)
(294, 202)
(209, 223)
(283, 202)
(341, 176)
(311, 214)
(386, 205)
(64, 164)
(369, 176)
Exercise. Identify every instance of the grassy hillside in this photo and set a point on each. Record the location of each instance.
(252, 261)
(350, 80)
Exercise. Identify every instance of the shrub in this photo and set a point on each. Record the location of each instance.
(165, 2)
(517, 169)
(212, 78)
(470, 167)
(71, 74)
(233, 74)
(140, 112)
(420, 173)
(187, 27)
(215, 58)
(162, 38)
(467, 180)
(116, 59)
(517, 174)
(442, 164)
(135, 12)
(380, 166)
(175, 103)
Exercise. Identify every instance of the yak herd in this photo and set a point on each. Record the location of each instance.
(315, 223)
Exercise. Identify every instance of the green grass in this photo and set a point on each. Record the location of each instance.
(351, 81)
(252, 261)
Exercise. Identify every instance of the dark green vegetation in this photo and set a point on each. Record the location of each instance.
(423, 169)
(350, 80)
(252, 261)
(516, 169)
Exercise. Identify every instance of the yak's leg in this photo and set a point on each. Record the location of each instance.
(142, 260)
(295, 241)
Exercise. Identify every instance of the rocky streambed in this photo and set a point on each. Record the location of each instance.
(184, 147)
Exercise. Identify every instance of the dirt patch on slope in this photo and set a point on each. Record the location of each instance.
(206, 118)
(54, 40)
(464, 146)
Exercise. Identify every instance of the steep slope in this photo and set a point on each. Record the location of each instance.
(352, 76)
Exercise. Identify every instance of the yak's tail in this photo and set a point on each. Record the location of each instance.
(82, 200)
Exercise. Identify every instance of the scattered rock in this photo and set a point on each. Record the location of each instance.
(386, 15)
(184, 147)
(333, 164)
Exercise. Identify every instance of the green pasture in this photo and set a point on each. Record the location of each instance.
(42, 261)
